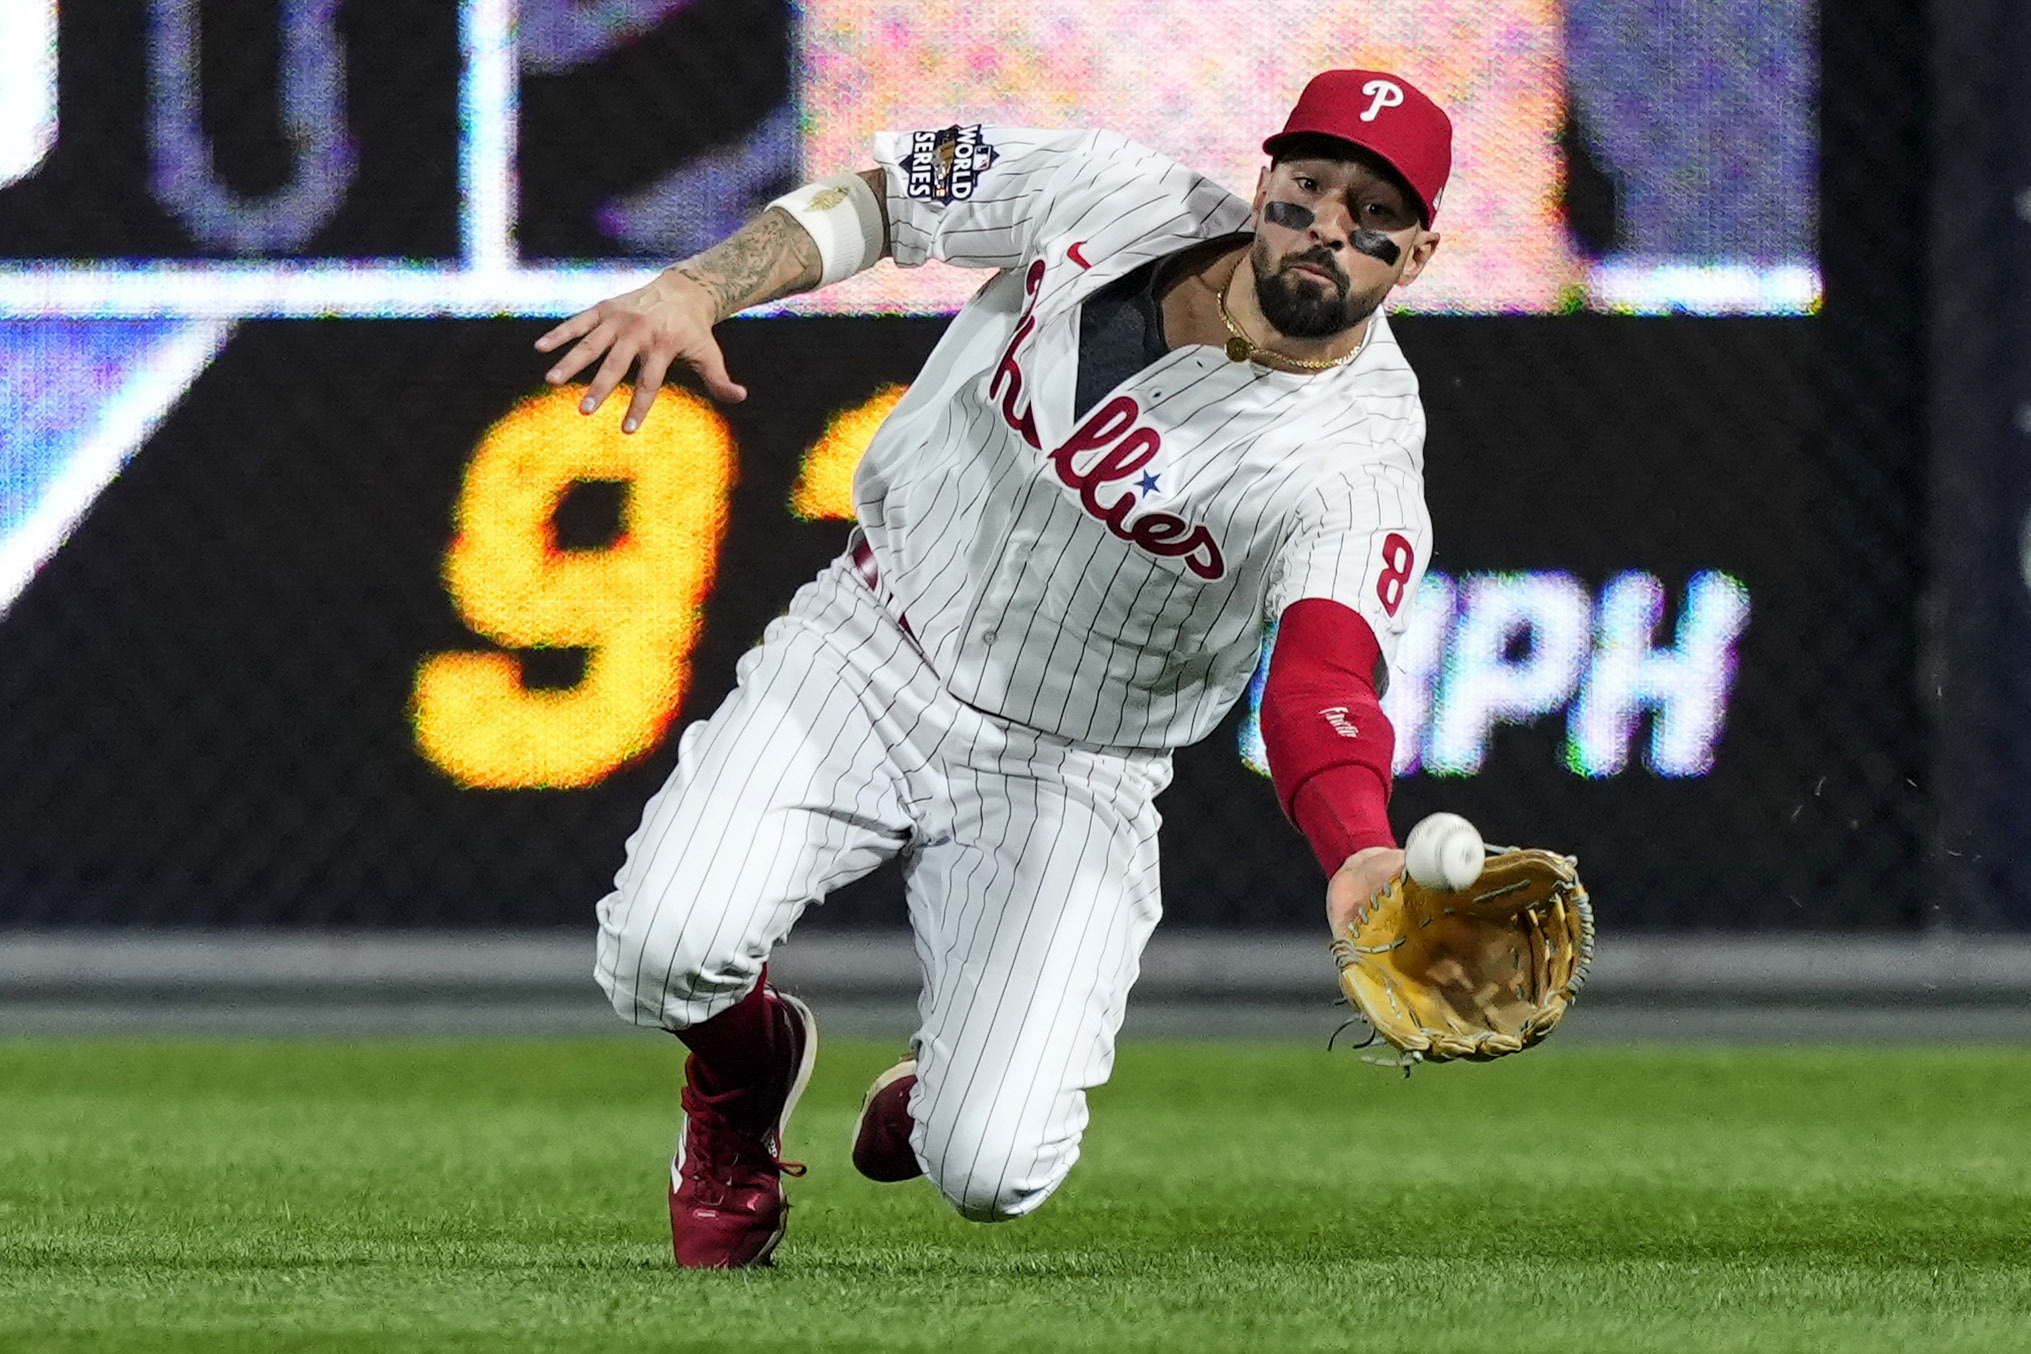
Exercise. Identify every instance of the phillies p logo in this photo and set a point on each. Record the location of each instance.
(1381, 94)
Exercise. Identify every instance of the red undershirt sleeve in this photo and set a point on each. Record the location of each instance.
(1329, 744)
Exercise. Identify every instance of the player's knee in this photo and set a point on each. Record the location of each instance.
(992, 1196)
(989, 1178)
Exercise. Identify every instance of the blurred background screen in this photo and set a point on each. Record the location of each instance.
(317, 609)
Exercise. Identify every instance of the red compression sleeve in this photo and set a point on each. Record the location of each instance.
(1328, 741)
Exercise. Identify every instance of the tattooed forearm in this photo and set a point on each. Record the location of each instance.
(770, 256)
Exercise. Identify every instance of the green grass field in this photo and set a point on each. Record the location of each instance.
(507, 1195)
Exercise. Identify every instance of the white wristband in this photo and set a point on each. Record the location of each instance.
(844, 217)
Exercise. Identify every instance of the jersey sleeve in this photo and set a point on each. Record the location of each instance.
(1361, 538)
(976, 196)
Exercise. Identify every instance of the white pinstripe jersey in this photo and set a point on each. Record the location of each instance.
(1106, 579)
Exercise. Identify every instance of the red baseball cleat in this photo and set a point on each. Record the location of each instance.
(881, 1135)
(727, 1208)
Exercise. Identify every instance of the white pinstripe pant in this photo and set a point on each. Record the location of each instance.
(1031, 865)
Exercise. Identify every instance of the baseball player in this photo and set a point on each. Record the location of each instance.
(1168, 416)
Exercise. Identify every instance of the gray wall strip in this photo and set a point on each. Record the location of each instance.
(1186, 965)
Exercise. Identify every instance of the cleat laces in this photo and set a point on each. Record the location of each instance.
(721, 1159)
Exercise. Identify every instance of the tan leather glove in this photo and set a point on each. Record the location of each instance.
(1475, 974)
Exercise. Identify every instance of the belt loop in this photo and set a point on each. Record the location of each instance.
(863, 564)
(862, 555)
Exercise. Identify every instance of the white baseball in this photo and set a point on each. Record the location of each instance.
(1444, 852)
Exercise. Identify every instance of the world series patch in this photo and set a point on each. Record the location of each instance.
(944, 166)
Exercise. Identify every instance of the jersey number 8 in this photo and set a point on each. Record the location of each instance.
(1398, 559)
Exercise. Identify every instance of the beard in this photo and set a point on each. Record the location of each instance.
(1300, 305)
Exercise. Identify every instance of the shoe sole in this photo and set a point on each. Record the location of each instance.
(804, 1065)
(906, 1068)
(797, 1085)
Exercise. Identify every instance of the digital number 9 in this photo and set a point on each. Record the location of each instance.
(635, 605)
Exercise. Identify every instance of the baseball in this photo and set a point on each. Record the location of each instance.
(1444, 852)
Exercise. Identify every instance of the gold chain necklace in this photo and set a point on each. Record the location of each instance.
(1242, 348)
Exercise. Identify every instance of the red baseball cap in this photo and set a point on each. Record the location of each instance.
(1382, 113)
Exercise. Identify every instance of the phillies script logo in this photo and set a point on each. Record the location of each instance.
(1106, 449)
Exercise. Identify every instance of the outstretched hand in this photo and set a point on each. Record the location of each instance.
(669, 320)
(1364, 875)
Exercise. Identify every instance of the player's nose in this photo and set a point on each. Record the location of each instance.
(1332, 225)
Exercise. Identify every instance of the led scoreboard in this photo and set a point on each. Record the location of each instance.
(317, 608)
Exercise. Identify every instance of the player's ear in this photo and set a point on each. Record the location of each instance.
(1261, 190)
(1421, 250)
